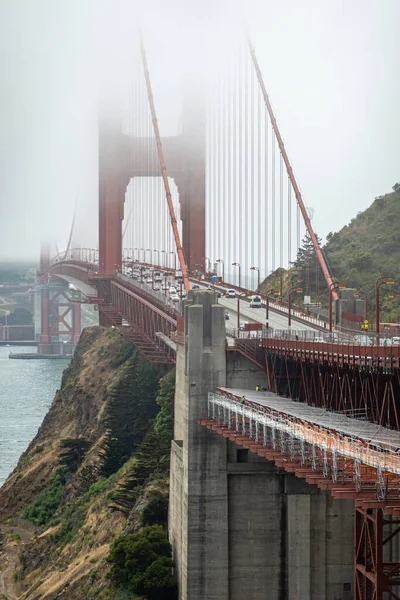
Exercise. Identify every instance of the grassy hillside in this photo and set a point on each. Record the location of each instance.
(91, 491)
(368, 247)
(365, 249)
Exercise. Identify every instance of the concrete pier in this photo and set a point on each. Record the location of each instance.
(239, 527)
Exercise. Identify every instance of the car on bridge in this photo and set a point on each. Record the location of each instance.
(226, 316)
(174, 298)
(255, 302)
(230, 293)
(363, 340)
(242, 325)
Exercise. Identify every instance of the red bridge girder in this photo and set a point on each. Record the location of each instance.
(136, 313)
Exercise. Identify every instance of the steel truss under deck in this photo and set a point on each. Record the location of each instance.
(344, 456)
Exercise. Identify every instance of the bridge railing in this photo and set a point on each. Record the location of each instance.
(149, 290)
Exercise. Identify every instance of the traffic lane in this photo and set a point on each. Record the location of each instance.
(257, 315)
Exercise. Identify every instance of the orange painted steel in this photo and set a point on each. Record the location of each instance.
(332, 351)
(299, 198)
(164, 174)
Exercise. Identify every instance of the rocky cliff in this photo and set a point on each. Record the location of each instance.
(96, 471)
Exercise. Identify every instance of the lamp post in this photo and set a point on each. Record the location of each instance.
(236, 264)
(380, 281)
(333, 286)
(220, 260)
(151, 255)
(158, 255)
(258, 276)
(357, 294)
(144, 254)
(164, 259)
(269, 293)
(165, 282)
(298, 291)
(172, 252)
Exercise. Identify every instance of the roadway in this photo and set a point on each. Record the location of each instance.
(256, 315)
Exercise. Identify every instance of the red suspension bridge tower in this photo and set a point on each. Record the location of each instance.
(123, 157)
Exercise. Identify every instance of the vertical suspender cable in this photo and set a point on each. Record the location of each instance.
(280, 211)
(229, 213)
(273, 238)
(234, 217)
(289, 232)
(259, 215)
(240, 161)
(247, 225)
(209, 251)
(216, 167)
(253, 224)
(266, 187)
(298, 233)
(213, 198)
(296, 189)
(179, 248)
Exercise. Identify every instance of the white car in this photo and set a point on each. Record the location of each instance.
(242, 325)
(172, 290)
(230, 293)
(364, 340)
(149, 280)
(255, 302)
(174, 298)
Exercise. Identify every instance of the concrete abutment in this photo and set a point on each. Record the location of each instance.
(239, 527)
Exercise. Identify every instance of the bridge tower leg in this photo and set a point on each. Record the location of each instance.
(112, 187)
(192, 191)
(44, 293)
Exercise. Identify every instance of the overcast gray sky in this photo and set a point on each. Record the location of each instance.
(331, 69)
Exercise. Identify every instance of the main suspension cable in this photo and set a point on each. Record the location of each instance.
(164, 174)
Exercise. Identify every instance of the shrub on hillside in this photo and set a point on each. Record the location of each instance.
(156, 511)
(44, 505)
(142, 563)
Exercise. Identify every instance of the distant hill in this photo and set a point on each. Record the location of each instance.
(367, 248)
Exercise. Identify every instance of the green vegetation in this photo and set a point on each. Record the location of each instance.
(109, 475)
(44, 506)
(152, 458)
(365, 249)
(142, 564)
(73, 453)
(368, 247)
(132, 404)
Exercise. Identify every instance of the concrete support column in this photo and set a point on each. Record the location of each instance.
(198, 518)
(299, 546)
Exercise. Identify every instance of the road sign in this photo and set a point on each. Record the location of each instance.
(252, 326)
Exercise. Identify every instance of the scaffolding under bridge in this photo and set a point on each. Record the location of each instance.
(341, 453)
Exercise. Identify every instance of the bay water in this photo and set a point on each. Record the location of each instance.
(27, 388)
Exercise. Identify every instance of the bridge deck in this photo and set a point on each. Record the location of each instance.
(370, 433)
